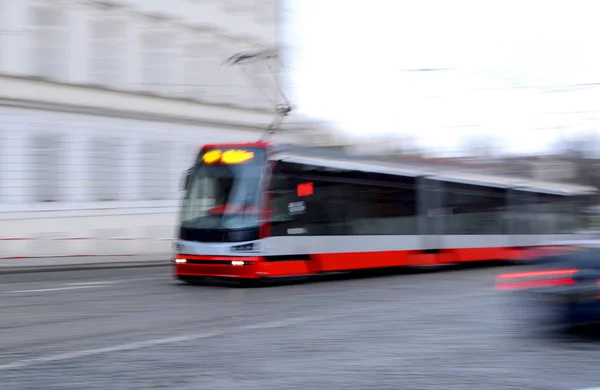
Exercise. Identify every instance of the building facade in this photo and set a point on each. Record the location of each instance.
(102, 107)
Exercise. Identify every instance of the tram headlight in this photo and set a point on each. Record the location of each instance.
(238, 262)
(180, 261)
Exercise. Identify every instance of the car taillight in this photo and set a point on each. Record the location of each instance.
(524, 280)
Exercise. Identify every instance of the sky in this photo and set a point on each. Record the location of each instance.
(508, 70)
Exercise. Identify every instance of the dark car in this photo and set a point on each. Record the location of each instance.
(566, 285)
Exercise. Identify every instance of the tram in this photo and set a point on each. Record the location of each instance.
(261, 210)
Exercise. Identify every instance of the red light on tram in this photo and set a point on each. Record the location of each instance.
(305, 189)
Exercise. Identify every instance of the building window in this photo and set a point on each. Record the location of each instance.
(194, 64)
(168, 186)
(49, 41)
(106, 52)
(105, 169)
(47, 168)
(158, 57)
(155, 177)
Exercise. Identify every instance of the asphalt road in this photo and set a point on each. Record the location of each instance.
(139, 329)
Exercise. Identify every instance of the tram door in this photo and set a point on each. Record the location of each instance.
(431, 213)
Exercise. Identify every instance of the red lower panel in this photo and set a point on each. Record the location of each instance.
(285, 268)
(481, 254)
(350, 261)
(513, 254)
(425, 259)
(546, 251)
(421, 259)
(345, 261)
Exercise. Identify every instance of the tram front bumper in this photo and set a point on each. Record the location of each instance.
(220, 267)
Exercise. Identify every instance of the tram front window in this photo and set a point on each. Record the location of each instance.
(224, 196)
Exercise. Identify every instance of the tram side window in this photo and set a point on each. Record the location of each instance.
(330, 208)
(554, 214)
(538, 213)
(385, 208)
(521, 215)
(341, 203)
(586, 214)
(474, 210)
(568, 220)
(281, 196)
(322, 211)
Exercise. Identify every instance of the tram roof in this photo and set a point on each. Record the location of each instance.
(341, 160)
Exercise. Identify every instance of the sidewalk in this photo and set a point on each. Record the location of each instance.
(45, 264)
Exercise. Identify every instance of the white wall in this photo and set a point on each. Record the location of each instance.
(102, 107)
(116, 229)
(254, 19)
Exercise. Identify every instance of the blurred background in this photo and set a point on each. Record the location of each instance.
(103, 104)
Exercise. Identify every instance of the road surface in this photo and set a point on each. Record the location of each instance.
(139, 329)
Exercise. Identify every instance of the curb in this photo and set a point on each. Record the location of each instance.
(84, 267)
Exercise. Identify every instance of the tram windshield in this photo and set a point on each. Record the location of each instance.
(223, 190)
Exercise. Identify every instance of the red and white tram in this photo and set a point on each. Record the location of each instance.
(261, 210)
